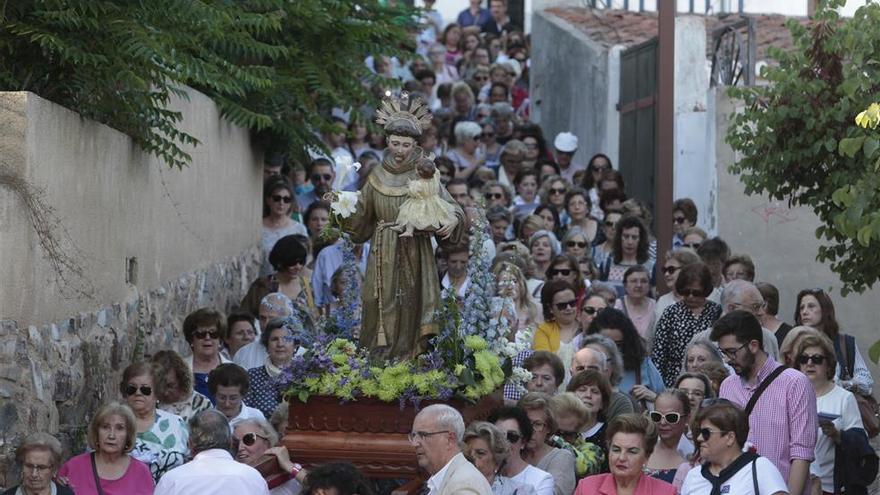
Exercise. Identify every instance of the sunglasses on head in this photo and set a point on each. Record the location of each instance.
(513, 437)
(201, 334)
(671, 417)
(249, 438)
(560, 271)
(669, 270)
(579, 244)
(814, 358)
(145, 390)
(318, 177)
(566, 304)
(557, 190)
(279, 198)
(691, 293)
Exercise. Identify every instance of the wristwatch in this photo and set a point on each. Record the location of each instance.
(295, 470)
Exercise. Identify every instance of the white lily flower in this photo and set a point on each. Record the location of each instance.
(343, 169)
(346, 203)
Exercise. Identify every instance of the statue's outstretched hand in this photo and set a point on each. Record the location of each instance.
(446, 231)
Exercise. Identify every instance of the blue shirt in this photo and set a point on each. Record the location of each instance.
(650, 378)
(465, 18)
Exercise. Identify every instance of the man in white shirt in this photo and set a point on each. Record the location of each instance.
(566, 145)
(436, 435)
(212, 470)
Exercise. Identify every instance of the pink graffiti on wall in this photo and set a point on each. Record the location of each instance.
(775, 213)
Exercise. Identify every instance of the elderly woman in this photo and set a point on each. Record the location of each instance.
(38, 456)
(815, 357)
(553, 191)
(619, 403)
(815, 309)
(572, 415)
(699, 353)
(560, 463)
(466, 154)
(640, 377)
(684, 319)
(513, 153)
(565, 267)
(204, 329)
(674, 261)
(720, 430)
(240, 331)
(500, 220)
(542, 246)
(278, 202)
(230, 384)
(603, 251)
(279, 342)
(162, 437)
(696, 386)
(111, 436)
(630, 249)
(487, 448)
(547, 371)
(559, 303)
(517, 427)
(291, 278)
(526, 200)
(255, 438)
(578, 206)
(631, 441)
(671, 414)
(789, 345)
(576, 243)
(594, 391)
(274, 305)
(636, 303)
(496, 194)
(175, 391)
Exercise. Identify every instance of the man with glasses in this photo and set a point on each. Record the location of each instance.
(436, 435)
(321, 175)
(212, 469)
(783, 423)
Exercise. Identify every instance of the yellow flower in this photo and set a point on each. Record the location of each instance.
(870, 117)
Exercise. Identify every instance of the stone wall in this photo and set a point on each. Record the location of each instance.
(104, 250)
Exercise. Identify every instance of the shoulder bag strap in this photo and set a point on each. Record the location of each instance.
(764, 384)
(755, 477)
(95, 474)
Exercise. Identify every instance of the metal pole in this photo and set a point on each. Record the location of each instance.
(741, 2)
(753, 53)
(691, 5)
(665, 130)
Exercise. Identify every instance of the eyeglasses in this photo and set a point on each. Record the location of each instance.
(692, 245)
(300, 261)
(679, 220)
(601, 168)
(145, 390)
(423, 435)
(478, 136)
(567, 434)
(731, 353)
(493, 196)
(814, 358)
(538, 425)
(201, 334)
(576, 244)
(318, 177)
(671, 417)
(488, 134)
(565, 272)
(281, 199)
(705, 433)
(513, 436)
(590, 310)
(692, 293)
(532, 146)
(609, 223)
(35, 468)
(556, 190)
(693, 392)
(249, 438)
(755, 307)
(669, 270)
(566, 304)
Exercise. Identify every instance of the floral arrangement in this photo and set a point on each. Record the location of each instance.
(469, 358)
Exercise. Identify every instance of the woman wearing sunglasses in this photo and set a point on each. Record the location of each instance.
(559, 302)
(253, 439)
(565, 267)
(837, 406)
(517, 428)
(674, 261)
(720, 430)
(203, 330)
(161, 441)
(278, 204)
(670, 414)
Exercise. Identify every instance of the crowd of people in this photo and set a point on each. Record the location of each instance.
(701, 390)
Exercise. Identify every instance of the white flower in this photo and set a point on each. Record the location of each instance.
(346, 203)
(343, 168)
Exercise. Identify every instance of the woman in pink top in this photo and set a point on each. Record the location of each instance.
(112, 435)
(632, 439)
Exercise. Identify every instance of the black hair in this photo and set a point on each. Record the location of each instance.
(741, 324)
(229, 375)
(287, 252)
(341, 476)
(633, 348)
(270, 186)
(517, 414)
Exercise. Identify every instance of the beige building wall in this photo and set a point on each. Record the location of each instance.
(782, 242)
(108, 202)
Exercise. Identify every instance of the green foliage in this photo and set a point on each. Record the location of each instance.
(273, 66)
(798, 140)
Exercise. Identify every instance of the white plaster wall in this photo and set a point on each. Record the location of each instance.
(111, 201)
(782, 242)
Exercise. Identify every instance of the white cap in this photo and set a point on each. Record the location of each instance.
(566, 142)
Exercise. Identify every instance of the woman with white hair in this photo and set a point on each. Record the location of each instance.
(543, 246)
(466, 155)
(255, 438)
(38, 457)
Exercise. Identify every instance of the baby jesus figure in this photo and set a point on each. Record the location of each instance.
(424, 209)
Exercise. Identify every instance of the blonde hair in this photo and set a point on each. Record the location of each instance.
(792, 338)
(103, 414)
(523, 300)
(534, 401)
(569, 403)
